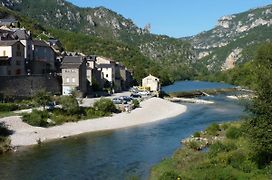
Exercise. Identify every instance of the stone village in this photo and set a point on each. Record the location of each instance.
(28, 65)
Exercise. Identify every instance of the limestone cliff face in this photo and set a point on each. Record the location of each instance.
(231, 59)
(232, 34)
(103, 23)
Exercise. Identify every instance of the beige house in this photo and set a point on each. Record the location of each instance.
(12, 58)
(94, 76)
(110, 72)
(151, 82)
(74, 75)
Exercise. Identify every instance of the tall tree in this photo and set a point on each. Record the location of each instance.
(259, 127)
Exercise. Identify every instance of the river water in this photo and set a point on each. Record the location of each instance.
(119, 154)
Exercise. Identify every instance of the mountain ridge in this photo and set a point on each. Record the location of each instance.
(225, 46)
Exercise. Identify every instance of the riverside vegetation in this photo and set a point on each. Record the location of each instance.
(70, 111)
(240, 150)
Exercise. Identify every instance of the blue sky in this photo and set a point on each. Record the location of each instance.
(176, 18)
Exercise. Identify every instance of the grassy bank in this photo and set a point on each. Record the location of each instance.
(228, 157)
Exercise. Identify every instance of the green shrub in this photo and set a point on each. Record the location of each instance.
(5, 107)
(105, 106)
(233, 133)
(92, 113)
(194, 145)
(224, 126)
(236, 158)
(197, 134)
(213, 129)
(70, 105)
(170, 175)
(4, 144)
(63, 118)
(136, 103)
(219, 147)
(36, 118)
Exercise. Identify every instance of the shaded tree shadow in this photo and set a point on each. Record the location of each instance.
(4, 131)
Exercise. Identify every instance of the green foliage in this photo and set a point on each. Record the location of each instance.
(220, 147)
(6, 107)
(171, 175)
(59, 117)
(36, 118)
(69, 105)
(213, 129)
(225, 159)
(197, 134)
(105, 106)
(225, 126)
(195, 145)
(136, 103)
(42, 98)
(259, 127)
(233, 133)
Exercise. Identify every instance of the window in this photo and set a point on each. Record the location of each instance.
(67, 80)
(107, 75)
(18, 71)
(73, 80)
(4, 53)
(18, 63)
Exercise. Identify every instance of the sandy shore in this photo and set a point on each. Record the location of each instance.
(151, 110)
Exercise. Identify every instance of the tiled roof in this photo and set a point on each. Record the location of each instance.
(40, 43)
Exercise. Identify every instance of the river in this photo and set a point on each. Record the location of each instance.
(119, 154)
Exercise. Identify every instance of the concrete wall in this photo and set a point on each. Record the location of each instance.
(25, 86)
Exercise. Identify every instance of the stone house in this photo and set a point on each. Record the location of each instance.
(152, 82)
(126, 77)
(12, 61)
(94, 75)
(26, 39)
(74, 75)
(44, 58)
(110, 72)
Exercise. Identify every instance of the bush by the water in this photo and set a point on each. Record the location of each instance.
(69, 105)
(6, 107)
(170, 175)
(219, 147)
(36, 118)
(105, 106)
(213, 129)
(195, 145)
(197, 134)
(233, 133)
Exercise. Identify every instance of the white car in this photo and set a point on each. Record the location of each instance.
(144, 93)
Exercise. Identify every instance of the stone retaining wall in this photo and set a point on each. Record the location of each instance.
(26, 86)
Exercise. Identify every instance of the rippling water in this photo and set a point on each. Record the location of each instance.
(118, 154)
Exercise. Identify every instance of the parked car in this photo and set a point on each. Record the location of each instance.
(117, 101)
(126, 98)
(135, 95)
